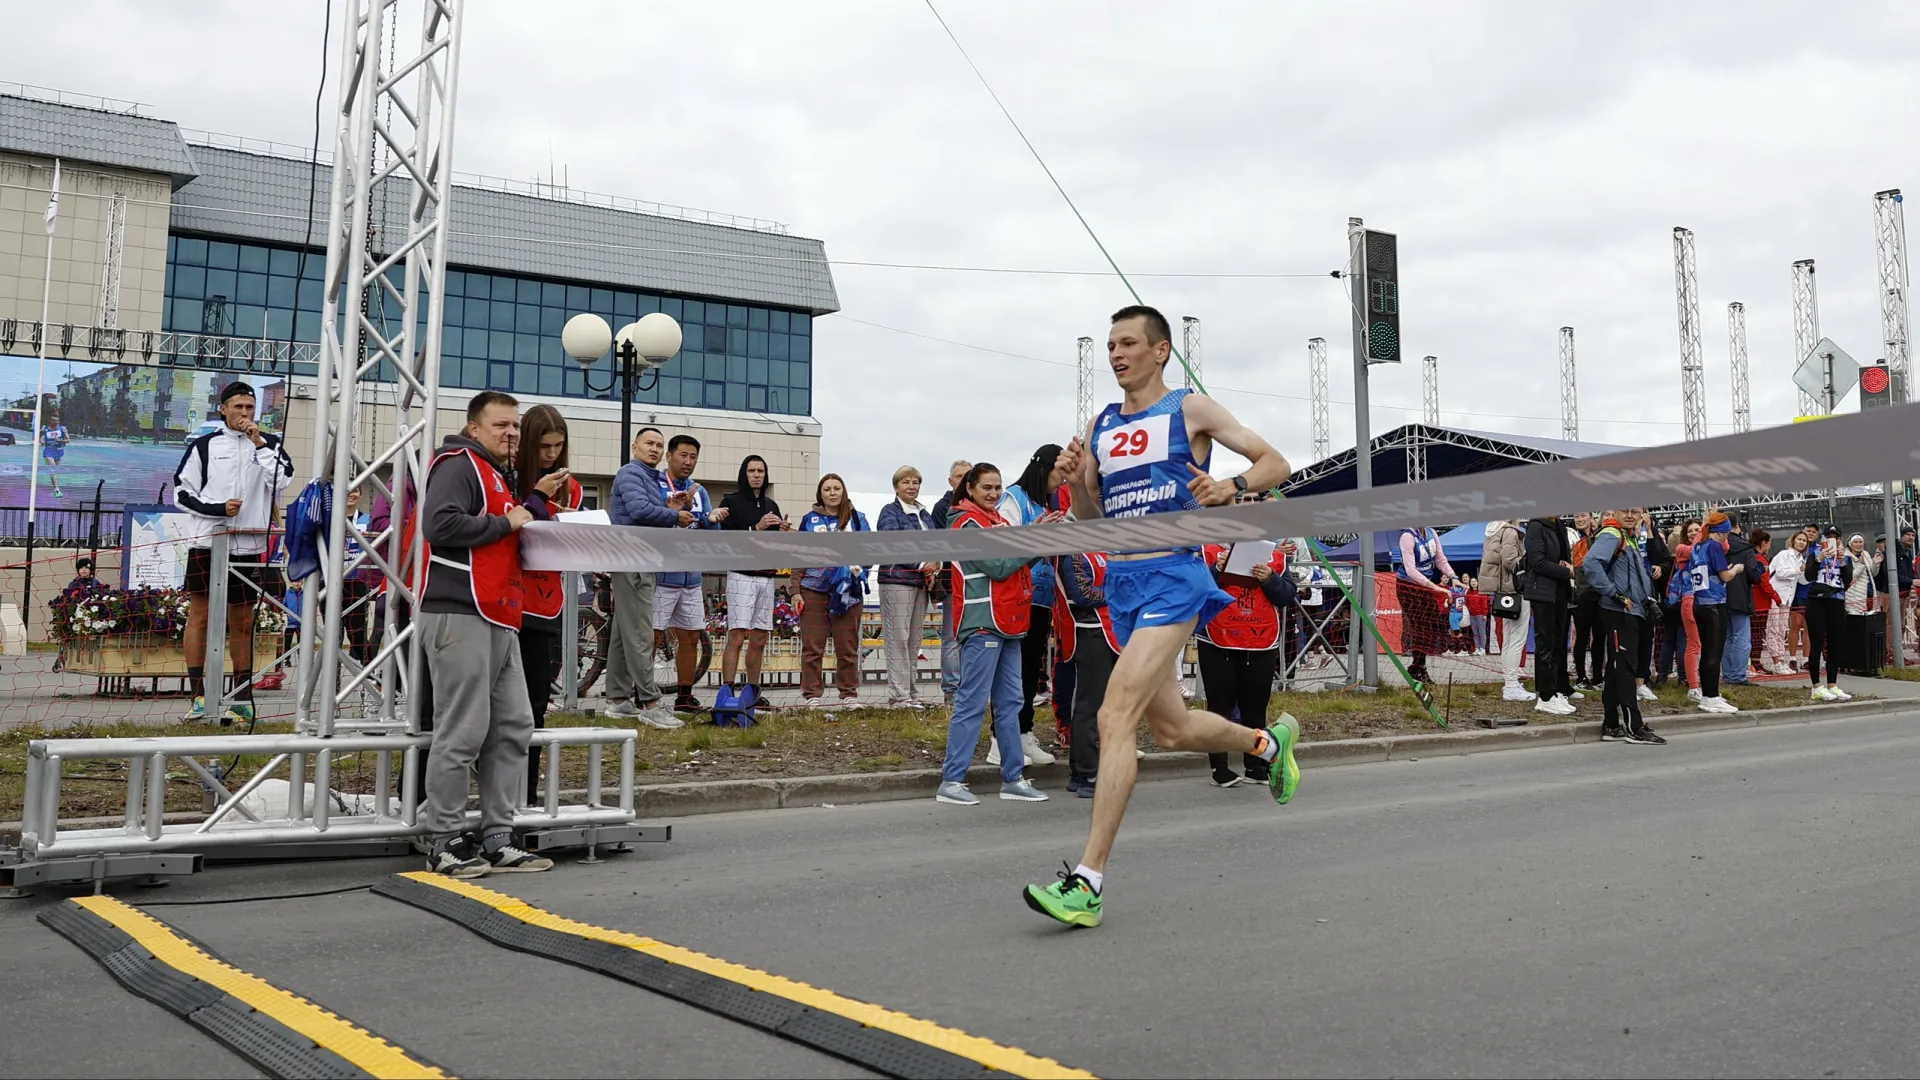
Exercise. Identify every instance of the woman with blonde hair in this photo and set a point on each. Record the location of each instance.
(903, 591)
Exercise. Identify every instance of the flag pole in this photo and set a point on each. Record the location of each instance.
(39, 395)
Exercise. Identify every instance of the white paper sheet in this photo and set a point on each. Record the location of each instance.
(584, 517)
(1247, 554)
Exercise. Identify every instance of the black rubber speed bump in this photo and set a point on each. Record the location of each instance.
(888, 1042)
(278, 1031)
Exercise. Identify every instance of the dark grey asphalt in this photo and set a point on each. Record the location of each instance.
(1740, 902)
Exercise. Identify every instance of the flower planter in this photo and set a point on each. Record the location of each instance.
(146, 657)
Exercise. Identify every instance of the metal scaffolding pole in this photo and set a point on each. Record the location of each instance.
(1693, 383)
(1317, 379)
(1569, 389)
(1429, 415)
(417, 87)
(1890, 242)
(1083, 396)
(1737, 354)
(1806, 326)
(1190, 348)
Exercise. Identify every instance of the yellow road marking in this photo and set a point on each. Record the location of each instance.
(985, 1051)
(359, 1047)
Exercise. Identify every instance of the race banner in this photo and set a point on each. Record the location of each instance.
(1831, 453)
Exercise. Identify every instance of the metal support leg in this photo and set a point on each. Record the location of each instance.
(214, 663)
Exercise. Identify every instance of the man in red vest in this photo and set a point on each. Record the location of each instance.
(469, 624)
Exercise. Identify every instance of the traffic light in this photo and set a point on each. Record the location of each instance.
(1383, 297)
(1876, 387)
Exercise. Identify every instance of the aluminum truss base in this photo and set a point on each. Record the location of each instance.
(17, 878)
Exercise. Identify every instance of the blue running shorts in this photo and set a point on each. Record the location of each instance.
(1162, 591)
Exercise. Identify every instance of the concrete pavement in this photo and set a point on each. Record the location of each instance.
(1737, 902)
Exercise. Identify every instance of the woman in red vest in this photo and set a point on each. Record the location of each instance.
(1240, 647)
(546, 487)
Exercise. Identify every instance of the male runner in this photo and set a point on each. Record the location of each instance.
(1148, 455)
(53, 447)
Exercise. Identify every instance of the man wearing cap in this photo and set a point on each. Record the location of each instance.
(229, 480)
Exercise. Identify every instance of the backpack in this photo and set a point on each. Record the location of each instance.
(733, 705)
(1580, 546)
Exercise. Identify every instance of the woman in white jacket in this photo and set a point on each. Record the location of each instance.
(1789, 574)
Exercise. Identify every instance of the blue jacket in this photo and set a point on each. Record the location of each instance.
(820, 578)
(637, 498)
(702, 510)
(1618, 575)
(893, 518)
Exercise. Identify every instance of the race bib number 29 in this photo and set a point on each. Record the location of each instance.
(1143, 442)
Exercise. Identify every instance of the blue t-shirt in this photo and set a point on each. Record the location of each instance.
(1709, 561)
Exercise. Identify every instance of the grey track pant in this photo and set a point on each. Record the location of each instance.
(481, 720)
(630, 645)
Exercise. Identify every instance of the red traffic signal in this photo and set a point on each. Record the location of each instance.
(1876, 387)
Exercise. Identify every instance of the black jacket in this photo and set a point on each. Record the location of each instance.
(744, 511)
(1660, 562)
(1542, 553)
(1740, 590)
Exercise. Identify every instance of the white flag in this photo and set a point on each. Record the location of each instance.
(53, 201)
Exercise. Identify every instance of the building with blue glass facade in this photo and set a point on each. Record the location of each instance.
(206, 239)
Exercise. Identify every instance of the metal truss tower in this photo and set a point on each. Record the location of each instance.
(110, 262)
(1737, 353)
(1317, 378)
(1569, 389)
(1806, 327)
(1693, 383)
(1083, 395)
(1190, 348)
(1890, 242)
(417, 86)
(1429, 415)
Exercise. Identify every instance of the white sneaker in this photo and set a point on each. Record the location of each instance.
(1820, 694)
(993, 750)
(1036, 755)
(1513, 691)
(1693, 694)
(1554, 706)
(813, 703)
(1575, 695)
(1718, 705)
(1836, 694)
(1645, 693)
(623, 710)
(661, 719)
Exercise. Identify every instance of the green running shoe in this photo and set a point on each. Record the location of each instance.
(238, 712)
(1283, 777)
(1070, 900)
(197, 710)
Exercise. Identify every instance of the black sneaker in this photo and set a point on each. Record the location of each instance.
(1256, 775)
(457, 859)
(686, 703)
(1642, 735)
(1613, 733)
(1080, 785)
(512, 859)
(1224, 777)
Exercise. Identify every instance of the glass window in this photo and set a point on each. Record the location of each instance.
(572, 383)
(253, 259)
(778, 322)
(222, 255)
(756, 343)
(714, 339)
(500, 345)
(777, 399)
(777, 372)
(475, 314)
(737, 370)
(456, 284)
(500, 316)
(626, 307)
(500, 376)
(798, 375)
(695, 311)
(602, 300)
(310, 293)
(648, 303)
(526, 379)
(168, 286)
(576, 299)
(502, 287)
(800, 325)
(473, 373)
(736, 339)
(192, 252)
(549, 380)
(757, 318)
(189, 282)
(777, 346)
(713, 395)
(552, 321)
(801, 402)
(757, 398)
(253, 288)
(526, 349)
(716, 368)
(173, 247)
(671, 305)
(527, 292)
(553, 294)
(736, 396)
(185, 315)
(279, 324)
(757, 370)
(280, 292)
(223, 282)
(249, 320)
(737, 316)
(526, 318)
(306, 325)
(669, 390)
(449, 341)
(801, 349)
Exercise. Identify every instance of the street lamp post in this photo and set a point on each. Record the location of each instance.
(638, 349)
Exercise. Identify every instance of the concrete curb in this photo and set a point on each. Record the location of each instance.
(728, 796)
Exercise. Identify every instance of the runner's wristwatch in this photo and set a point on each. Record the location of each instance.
(1240, 485)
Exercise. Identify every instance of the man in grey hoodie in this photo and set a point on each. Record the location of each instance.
(638, 500)
(1618, 575)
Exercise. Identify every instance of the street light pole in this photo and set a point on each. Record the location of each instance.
(638, 349)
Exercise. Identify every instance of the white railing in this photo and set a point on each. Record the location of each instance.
(82, 101)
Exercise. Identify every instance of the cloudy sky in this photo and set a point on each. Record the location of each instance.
(1533, 159)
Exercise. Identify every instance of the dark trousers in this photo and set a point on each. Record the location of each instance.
(1589, 639)
(1550, 650)
(1643, 658)
(1064, 678)
(539, 652)
(1033, 662)
(1712, 621)
(1238, 683)
(1825, 620)
(1621, 633)
(1673, 642)
(1092, 665)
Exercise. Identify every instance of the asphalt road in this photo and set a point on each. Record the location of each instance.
(1739, 902)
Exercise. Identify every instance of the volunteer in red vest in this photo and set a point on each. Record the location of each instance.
(1240, 647)
(994, 606)
(546, 487)
(1088, 643)
(470, 614)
